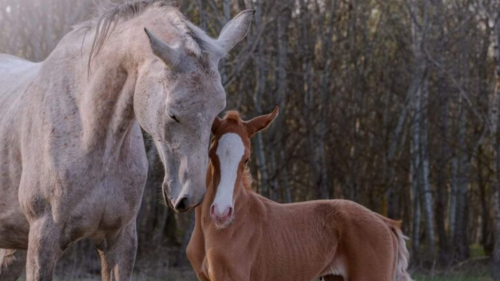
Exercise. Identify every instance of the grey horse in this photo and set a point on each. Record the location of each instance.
(72, 157)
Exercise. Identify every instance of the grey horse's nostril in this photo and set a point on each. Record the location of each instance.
(182, 205)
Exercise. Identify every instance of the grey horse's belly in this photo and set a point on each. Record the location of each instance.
(14, 227)
(15, 77)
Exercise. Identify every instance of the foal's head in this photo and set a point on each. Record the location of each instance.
(230, 153)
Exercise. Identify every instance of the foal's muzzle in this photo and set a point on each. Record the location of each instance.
(222, 219)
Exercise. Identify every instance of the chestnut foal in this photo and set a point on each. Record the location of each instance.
(242, 236)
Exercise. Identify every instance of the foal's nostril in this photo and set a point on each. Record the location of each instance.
(212, 210)
(182, 205)
(230, 213)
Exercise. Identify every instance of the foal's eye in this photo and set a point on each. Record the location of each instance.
(174, 118)
(246, 161)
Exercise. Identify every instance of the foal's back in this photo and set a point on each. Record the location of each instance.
(325, 237)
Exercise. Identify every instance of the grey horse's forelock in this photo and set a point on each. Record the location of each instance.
(110, 13)
(206, 43)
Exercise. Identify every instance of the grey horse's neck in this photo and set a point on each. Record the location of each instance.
(97, 104)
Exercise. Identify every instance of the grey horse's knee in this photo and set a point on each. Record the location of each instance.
(12, 264)
(118, 255)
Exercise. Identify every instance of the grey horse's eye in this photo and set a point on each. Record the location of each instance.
(174, 118)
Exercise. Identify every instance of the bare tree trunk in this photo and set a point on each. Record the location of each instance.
(459, 235)
(257, 99)
(443, 154)
(420, 123)
(426, 188)
(202, 16)
(414, 179)
(223, 68)
(321, 151)
(281, 65)
(309, 109)
(182, 260)
(495, 150)
(395, 145)
(485, 212)
(274, 184)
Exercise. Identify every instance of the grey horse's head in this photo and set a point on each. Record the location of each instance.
(178, 95)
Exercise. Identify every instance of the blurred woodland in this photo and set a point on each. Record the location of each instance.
(391, 103)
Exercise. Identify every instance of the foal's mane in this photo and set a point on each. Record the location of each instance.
(109, 14)
(234, 116)
(247, 178)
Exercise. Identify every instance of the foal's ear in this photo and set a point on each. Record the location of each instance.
(261, 122)
(216, 124)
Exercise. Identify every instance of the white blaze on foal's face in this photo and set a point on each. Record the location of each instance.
(230, 151)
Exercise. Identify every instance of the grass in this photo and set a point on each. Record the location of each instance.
(477, 268)
(187, 276)
(451, 277)
(175, 276)
(417, 277)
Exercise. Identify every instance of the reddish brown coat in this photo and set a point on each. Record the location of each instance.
(284, 242)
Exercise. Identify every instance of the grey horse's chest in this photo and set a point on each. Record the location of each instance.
(88, 192)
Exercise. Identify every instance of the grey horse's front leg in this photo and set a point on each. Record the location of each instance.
(44, 249)
(12, 264)
(118, 255)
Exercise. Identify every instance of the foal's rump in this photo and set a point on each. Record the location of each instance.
(371, 245)
(403, 255)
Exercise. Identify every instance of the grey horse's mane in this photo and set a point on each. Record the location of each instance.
(110, 13)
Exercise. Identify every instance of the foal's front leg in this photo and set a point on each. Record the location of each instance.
(227, 268)
(227, 274)
(118, 255)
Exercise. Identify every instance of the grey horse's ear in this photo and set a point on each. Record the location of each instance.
(235, 30)
(170, 55)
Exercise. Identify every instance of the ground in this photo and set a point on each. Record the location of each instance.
(79, 264)
(186, 275)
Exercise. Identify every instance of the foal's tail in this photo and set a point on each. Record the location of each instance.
(402, 252)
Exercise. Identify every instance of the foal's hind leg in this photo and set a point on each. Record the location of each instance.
(118, 255)
(12, 264)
